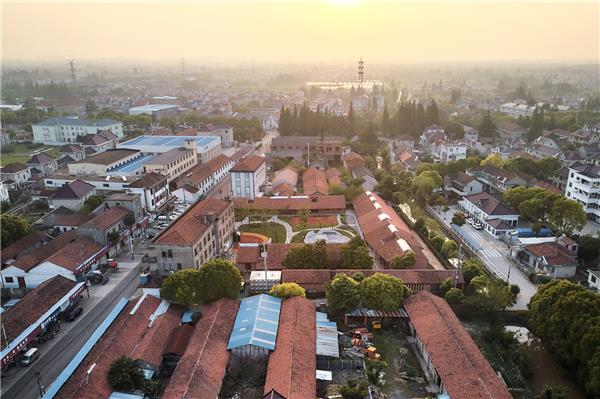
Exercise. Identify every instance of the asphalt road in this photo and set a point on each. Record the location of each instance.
(55, 359)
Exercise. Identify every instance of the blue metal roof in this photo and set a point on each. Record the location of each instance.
(170, 141)
(256, 322)
(133, 165)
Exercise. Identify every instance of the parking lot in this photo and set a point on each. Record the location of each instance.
(165, 218)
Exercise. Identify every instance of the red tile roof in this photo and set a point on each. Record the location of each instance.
(201, 172)
(72, 256)
(314, 182)
(464, 371)
(74, 220)
(33, 305)
(200, 371)
(13, 168)
(384, 231)
(108, 218)
(276, 254)
(293, 364)
(131, 335)
(35, 238)
(249, 164)
(288, 175)
(554, 253)
(149, 180)
(333, 177)
(284, 190)
(77, 189)
(318, 203)
(42, 253)
(190, 226)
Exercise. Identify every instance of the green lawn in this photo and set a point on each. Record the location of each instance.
(273, 230)
(21, 153)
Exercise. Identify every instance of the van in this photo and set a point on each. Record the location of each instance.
(162, 218)
(29, 357)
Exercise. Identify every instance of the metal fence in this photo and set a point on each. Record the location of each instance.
(339, 364)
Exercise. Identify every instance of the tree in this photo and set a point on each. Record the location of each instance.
(13, 228)
(342, 293)
(219, 278)
(487, 127)
(353, 389)
(454, 295)
(493, 160)
(537, 125)
(307, 256)
(455, 131)
(490, 296)
(4, 206)
(458, 218)
(168, 122)
(437, 241)
(472, 268)
(567, 215)
(90, 204)
(424, 184)
(384, 292)
(355, 255)
(375, 370)
(125, 375)
(287, 290)
(113, 236)
(446, 285)
(90, 106)
(450, 249)
(552, 392)
(182, 287)
(589, 247)
(403, 261)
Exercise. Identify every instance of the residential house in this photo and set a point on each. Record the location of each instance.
(582, 136)
(460, 184)
(499, 180)
(71, 261)
(550, 258)
(203, 232)
(72, 195)
(430, 135)
(590, 152)
(248, 177)
(101, 141)
(314, 182)
(42, 164)
(515, 110)
(445, 151)
(74, 151)
(22, 247)
(334, 178)
(153, 189)
(352, 159)
(15, 175)
(108, 228)
(128, 200)
(594, 279)
(4, 196)
(583, 186)
(471, 134)
(497, 218)
(453, 362)
(285, 182)
(508, 131)
(568, 158)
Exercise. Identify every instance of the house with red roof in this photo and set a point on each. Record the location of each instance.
(248, 177)
(100, 227)
(453, 362)
(314, 182)
(550, 258)
(320, 204)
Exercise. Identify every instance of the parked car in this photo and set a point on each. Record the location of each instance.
(470, 221)
(29, 357)
(478, 226)
(75, 313)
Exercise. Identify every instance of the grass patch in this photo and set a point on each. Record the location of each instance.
(21, 153)
(272, 230)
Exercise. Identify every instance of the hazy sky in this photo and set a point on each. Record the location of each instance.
(326, 30)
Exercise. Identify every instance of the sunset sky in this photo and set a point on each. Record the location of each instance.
(327, 30)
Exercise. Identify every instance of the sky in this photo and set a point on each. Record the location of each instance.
(303, 31)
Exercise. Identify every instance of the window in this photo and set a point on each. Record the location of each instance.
(179, 266)
(9, 279)
(164, 254)
(169, 253)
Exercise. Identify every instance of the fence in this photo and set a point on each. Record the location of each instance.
(339, 364)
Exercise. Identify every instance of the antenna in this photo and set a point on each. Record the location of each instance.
(72, 68)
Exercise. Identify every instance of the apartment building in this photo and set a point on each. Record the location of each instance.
(225, 132)
(248, 176)
(203, 232)
(58, 131)
(175, 162)
(583, 186)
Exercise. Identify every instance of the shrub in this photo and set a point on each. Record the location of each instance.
(125, 375)
(446, 286)
(403, 261)
(454, 295)
(437, 241)
(458, 219)
(515, 289)
(354, 390)
(287, 290)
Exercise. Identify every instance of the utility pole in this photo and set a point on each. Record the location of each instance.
(39, 383)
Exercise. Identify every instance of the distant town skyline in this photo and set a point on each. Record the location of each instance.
(317, 31)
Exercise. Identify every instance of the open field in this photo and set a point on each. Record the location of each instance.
(22, 153)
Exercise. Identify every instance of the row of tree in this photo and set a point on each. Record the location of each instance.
(302, 121)
(354, 255)
(410, 118)
(566, 317)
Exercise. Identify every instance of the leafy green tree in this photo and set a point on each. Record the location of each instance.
(458, 218)
(455, 131)
(446, 285)
(382, 291)
(375, 370)
(437, 241)
(537, 125)
(342, 293)
(219, 278)
(168, 122)
(567, 215)
(307, 256)
(493, 160)
(355, 255)
(403, 261)
(472, 268)
(423, 186)
(454, 295)
(13, 228)
(589, 247)
(125, 375)
(129, 220)
(113, 236)
(490, 296)
(4, 206)
(90, 204)
(353, 389)
(450, 249)
(486, 127)
(287, 290)
(182, 287)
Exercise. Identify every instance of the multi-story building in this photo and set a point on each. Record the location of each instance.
(499, 180)
(42, 164)
(99, 142)
(153, 189)
(517, 110)
(175, 162)
(15, 175)
(207, 147)
(509, 131)
(157, 111)
(329, 148)
(445, 152)
(73, 151)
(225, 132)
(202, 178)
(461, 184)
(203, 232)
(58, 131)
(72, 195)
(497, 217)
(248, 176)
(4, 197)
(583, 186)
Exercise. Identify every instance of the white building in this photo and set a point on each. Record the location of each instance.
(489, 209)
(4, 197)
(583, 186)
(59, 131)
(594, 279)
(202, 178)
(445, 152)
(156, 110)
(207, 147)
(225, 132)
(153, 188)
(517, 110)
(15, 175)
(248, 176)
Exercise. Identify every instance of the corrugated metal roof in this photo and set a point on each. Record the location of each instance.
(256, 322)
(327, 336)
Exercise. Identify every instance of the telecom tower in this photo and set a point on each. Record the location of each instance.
(361, 71)
(72, 67)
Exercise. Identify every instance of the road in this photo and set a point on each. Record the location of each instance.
(20, 383)
(495, 254)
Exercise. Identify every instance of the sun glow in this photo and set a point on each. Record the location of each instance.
(344, 2)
